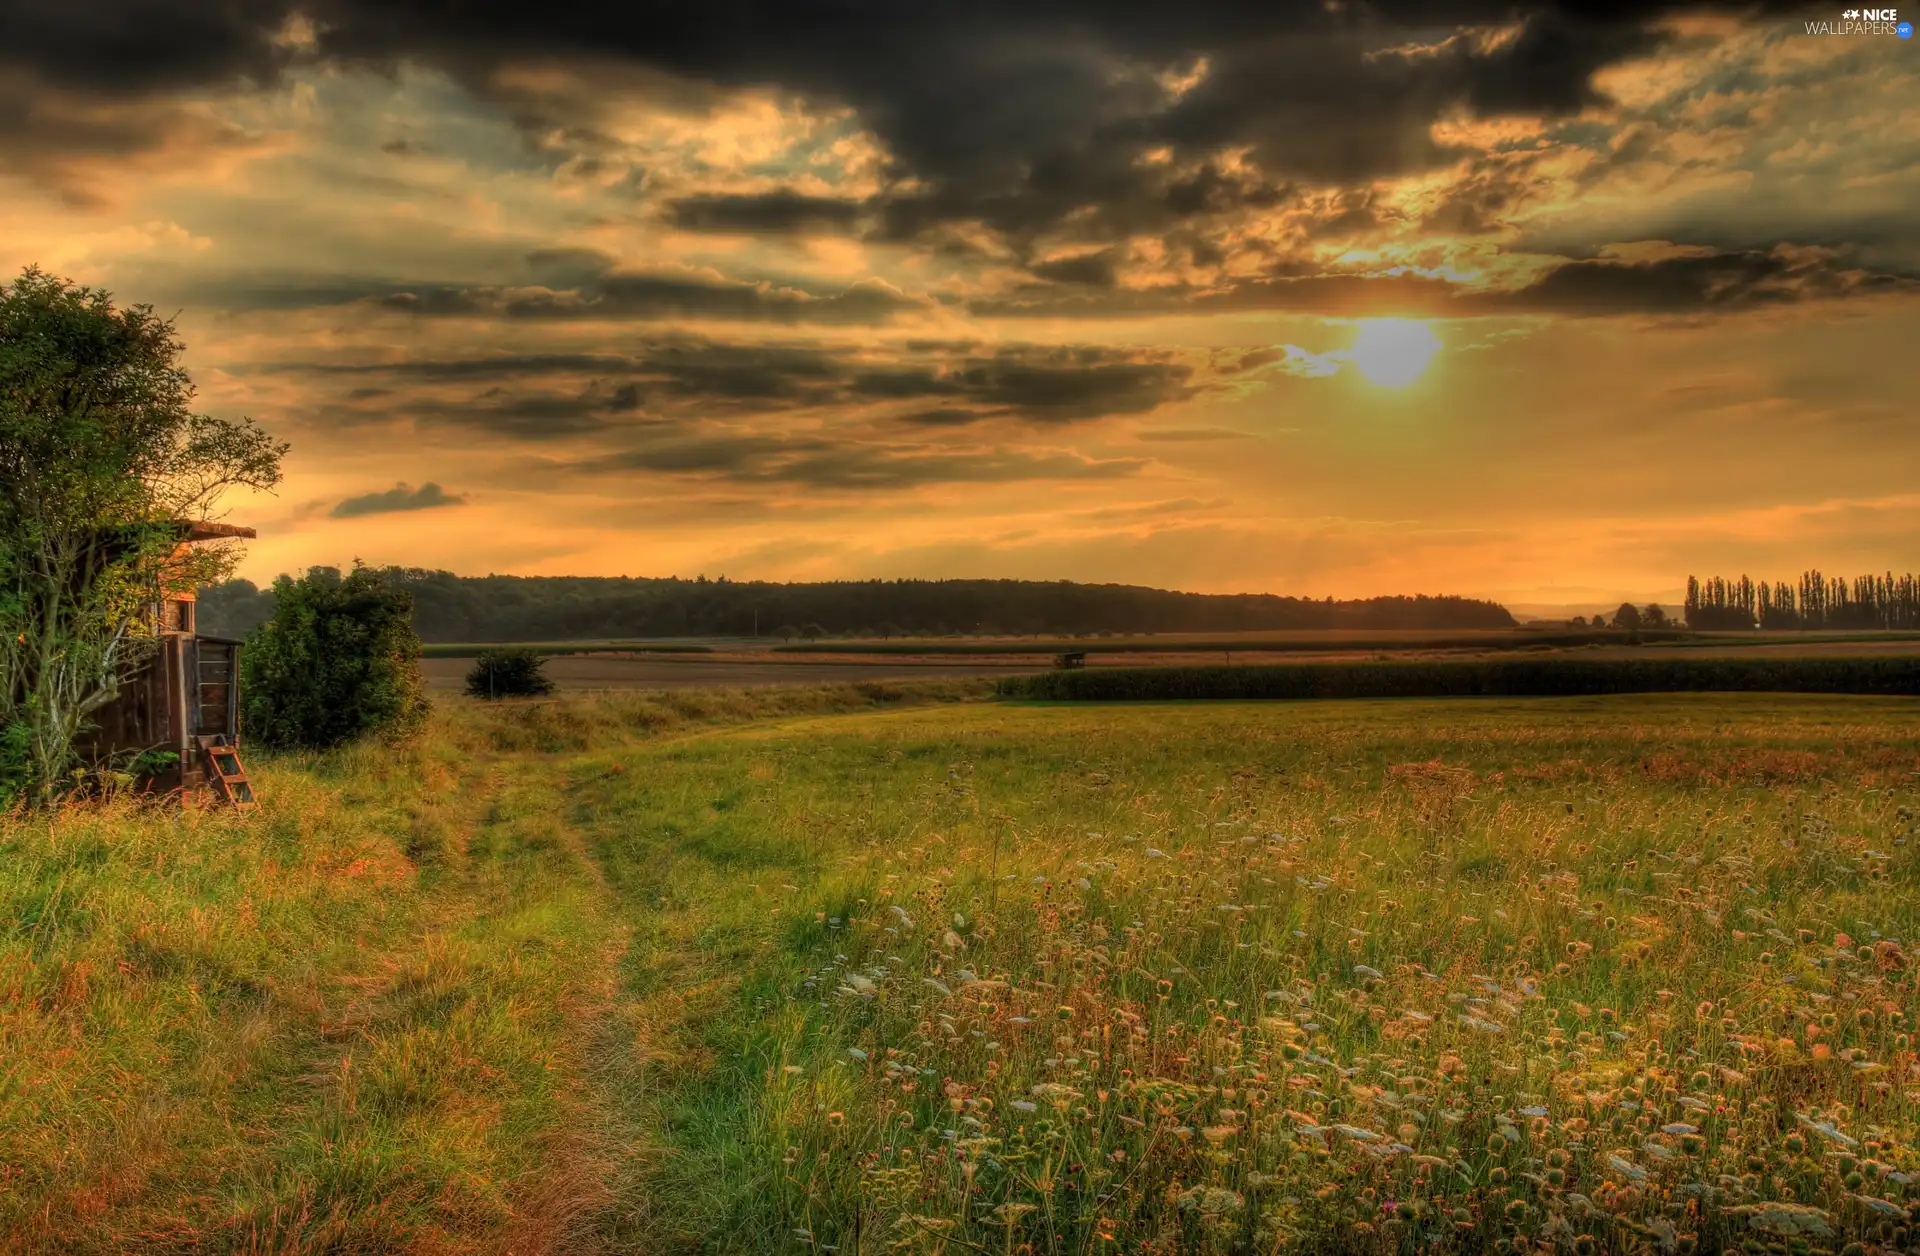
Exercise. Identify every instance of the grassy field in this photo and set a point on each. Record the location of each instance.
(468, 650)
(795, 972)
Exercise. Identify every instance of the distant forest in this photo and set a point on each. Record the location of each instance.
(1816, 602)
(447, 607)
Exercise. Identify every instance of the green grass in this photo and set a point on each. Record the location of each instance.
(782, 972)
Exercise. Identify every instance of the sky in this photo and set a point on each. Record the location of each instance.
(1549, 304)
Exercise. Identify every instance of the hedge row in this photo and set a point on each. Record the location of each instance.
(1477, 639)
(1490, 678)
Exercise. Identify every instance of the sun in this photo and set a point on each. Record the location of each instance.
(1393, 352)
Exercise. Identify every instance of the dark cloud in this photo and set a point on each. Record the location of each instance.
(689, 375)
(498, 366)
(82, 148)
(1477, 204)
(1721, 281)
(576, 284)
(1696, 284)
(653, 297)
(820, 463)
(128, 47)
(770, 213)
(1071, 384)
(401, 497)
(1025, 115)
(567, 268)
(521, 416)
(897, 382)
(1097, 269)
(946, 417)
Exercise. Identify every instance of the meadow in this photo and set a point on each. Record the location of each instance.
(468, 650)
(901, 968)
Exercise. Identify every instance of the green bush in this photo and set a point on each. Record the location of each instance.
(1492, 678)
(508, 672)
(339, 660)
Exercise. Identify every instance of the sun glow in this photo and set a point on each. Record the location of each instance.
(1393, 352)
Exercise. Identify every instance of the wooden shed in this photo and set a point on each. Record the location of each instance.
(185, 700)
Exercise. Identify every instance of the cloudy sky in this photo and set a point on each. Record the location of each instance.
(1553, 305)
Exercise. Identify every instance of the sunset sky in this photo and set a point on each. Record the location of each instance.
(1547, 305)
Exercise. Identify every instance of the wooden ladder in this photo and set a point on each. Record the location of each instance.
(223, 766)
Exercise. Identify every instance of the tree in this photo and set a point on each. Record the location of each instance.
(889, 630)
(812, 632)
(104, 466)
(509, 672)
(339, 660)
(233, 609)
(1628, 616)
(786, 632)
(1653, 616)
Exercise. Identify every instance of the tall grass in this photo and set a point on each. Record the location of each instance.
(864, 969)
(357, 1021)
(336, 1025)
(1607, 975)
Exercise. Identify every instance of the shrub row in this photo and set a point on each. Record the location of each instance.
(1490, 678)
(1482, 639)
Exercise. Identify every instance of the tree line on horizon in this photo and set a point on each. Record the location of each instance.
(1816, 602)
(450, 608)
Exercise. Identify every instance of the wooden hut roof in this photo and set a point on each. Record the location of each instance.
(209, 531)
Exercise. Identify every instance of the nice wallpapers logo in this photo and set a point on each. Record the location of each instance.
(1865, 22)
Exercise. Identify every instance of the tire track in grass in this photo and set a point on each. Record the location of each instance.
(676, 981)
(449, 1109)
